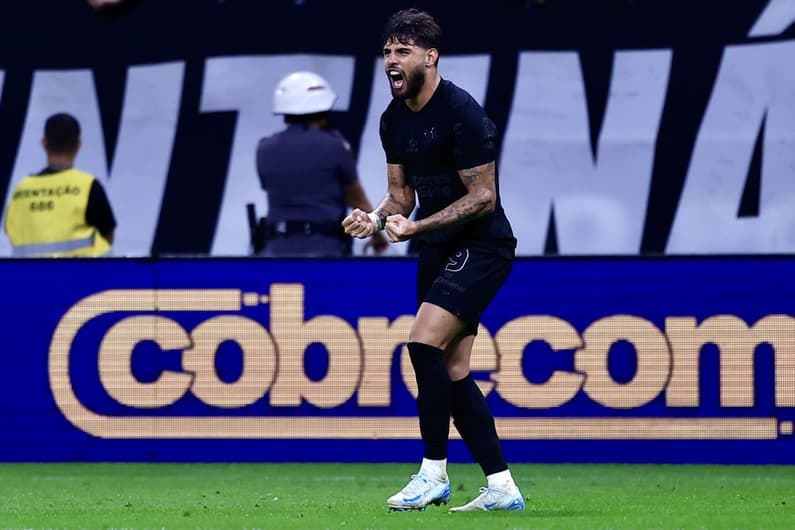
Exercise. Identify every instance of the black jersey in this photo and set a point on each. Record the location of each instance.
(451, 132)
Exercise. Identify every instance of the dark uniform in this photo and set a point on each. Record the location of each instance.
(462, 267)
(304, 170)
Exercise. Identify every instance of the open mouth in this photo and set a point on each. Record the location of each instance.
(396, 79)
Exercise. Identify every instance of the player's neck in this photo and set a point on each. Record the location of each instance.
(426, 92)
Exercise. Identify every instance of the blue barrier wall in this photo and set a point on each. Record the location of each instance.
(625, 127)
(583, 359)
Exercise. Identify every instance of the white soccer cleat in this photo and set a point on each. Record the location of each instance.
(494, 499)
(421, 491)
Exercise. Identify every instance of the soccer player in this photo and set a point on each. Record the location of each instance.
(440, 149)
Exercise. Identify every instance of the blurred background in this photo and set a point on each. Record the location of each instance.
(627, 127)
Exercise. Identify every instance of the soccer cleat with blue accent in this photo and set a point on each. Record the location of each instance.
(493, 499)
(421, 491)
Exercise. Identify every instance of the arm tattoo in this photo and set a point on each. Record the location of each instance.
(480, 199)
(399, 197)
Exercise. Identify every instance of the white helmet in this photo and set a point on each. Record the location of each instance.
(303, 93)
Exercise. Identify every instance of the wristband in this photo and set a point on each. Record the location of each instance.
(376, 220)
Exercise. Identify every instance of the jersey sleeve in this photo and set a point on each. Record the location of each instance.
(98, 210)
(385, 131)
(474, 136)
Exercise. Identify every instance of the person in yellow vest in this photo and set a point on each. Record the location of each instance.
(60, 211)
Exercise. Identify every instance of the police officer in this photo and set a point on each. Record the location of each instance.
(60, 211)
(309, 174)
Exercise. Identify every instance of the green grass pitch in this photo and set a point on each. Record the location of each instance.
(310, 496)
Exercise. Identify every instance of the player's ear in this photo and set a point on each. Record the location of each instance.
(431, 56)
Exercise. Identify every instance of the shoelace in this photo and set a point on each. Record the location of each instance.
(416, 485)
(490, 495)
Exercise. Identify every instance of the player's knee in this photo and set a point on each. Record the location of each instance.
(430, 340)
(457, 370)
(432, 335)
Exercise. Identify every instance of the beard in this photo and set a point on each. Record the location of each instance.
(414, 82)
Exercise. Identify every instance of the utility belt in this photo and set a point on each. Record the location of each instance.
(306, 228)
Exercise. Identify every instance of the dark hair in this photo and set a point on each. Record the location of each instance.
(412, 26)
(62, 132)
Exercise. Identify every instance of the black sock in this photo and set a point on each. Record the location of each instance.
(433, 399)
(475, 423)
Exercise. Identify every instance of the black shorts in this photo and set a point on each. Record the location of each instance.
(463, 278)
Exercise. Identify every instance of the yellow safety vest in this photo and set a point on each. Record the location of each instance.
(46, 216)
